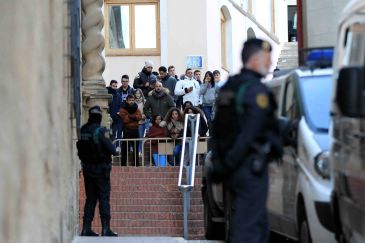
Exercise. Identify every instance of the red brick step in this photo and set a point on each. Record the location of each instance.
(146, 201)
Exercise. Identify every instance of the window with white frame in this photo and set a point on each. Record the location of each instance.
(132, 27)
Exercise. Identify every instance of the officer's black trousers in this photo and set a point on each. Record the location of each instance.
(97, 189)
(249, 222)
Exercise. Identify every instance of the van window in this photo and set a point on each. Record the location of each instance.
(290, 102)
(316, 96)
(355, 45)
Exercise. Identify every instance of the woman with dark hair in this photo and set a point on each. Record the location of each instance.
(203, 128)
(209, 92)
(174, 121)
(186, 105)
(156, 131)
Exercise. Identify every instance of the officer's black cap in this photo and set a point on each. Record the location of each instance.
(252, 46)
(95, 110)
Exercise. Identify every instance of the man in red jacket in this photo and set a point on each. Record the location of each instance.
(130, 116)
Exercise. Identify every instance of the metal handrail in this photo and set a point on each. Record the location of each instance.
(146, 149)
(143, 141)
(189, 168)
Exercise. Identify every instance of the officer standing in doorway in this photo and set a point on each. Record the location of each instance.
(94, 151)
(245, 138)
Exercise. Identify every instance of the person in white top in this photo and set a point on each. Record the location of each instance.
(189, 88)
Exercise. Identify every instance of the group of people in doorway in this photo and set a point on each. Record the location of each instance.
(156, 105)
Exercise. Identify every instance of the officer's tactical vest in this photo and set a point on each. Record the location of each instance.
(89, 147)
(229, 106)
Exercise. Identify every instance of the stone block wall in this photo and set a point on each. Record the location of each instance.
(39, 169)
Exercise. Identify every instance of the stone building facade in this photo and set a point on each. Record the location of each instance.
(38, 163)
(45, 92)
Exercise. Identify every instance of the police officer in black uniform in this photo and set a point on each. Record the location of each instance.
(94, 151)
(245, 138)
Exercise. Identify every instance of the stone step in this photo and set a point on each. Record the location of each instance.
(290, 52)
(156, 208)
(290, 44)
(288, 63)
(288, 59)
(286, 67)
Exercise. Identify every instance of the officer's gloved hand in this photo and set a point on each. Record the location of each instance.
(213, 169)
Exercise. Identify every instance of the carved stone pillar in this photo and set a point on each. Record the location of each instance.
(93, 85)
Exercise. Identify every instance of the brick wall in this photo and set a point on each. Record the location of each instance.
(146, 201)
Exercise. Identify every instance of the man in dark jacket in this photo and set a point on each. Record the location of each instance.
(125, 90)
(167, 81)
(145, 80)
(94, 151)
(245, 138)
(114, 107)
(158, 101)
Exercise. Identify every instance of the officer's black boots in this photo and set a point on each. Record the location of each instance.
(106, 231)
(87, 231)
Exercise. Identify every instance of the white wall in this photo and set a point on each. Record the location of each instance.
(263, 14)
(281, 19)
(213, 33)
(186, 25)
(192, 27)
(116, 66)
(320, 20)
(183, 32)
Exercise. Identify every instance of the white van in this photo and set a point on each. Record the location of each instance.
(348, 133)
(300, 186)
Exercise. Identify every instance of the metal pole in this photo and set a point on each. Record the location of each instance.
(186, 212)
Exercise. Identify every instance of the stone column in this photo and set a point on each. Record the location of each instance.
(93, 84)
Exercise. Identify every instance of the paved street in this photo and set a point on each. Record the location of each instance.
(138, 240)
(273, 239)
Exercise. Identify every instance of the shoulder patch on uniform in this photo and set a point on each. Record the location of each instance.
(262, 100)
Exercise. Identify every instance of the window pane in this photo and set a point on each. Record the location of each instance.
(317, 90)
(145, 29)
(119, 31)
